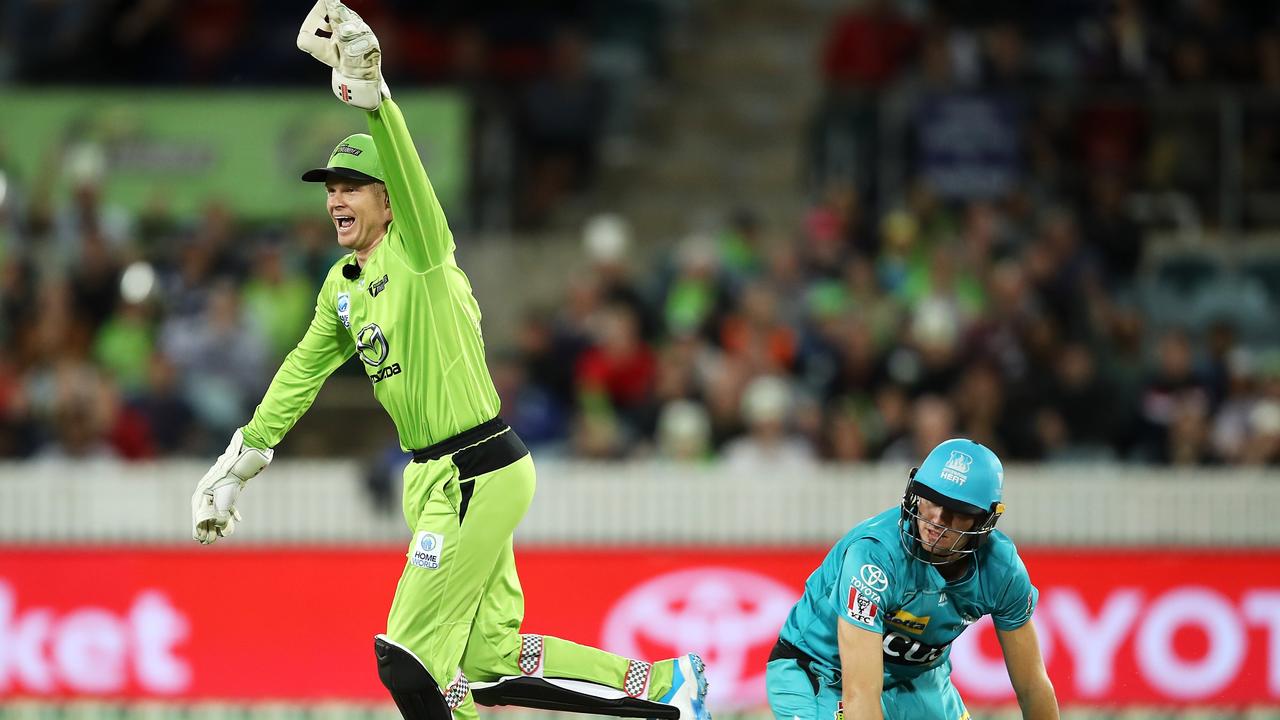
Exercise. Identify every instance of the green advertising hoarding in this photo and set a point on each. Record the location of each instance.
(186, 148)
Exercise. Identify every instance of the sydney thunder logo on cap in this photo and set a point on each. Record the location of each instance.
(355, 158)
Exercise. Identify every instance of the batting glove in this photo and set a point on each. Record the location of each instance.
(213, 506)
(357, 79)
(315, 37)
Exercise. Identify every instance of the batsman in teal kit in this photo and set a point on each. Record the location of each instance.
(872, 634)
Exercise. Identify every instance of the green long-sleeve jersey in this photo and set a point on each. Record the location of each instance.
(410, 317)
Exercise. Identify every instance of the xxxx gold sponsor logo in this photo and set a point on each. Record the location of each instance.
(904, 620)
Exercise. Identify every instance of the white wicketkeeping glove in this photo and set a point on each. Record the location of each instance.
(316, 35)
(355, 55)
(213, 506)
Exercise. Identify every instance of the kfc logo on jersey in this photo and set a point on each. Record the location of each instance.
(861, 608)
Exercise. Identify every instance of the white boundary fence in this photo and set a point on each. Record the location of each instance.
(633, 503)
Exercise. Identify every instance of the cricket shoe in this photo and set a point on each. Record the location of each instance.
(689, 688)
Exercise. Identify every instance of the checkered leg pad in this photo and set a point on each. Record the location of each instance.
(457, 691)
(531, 654)
(636, 683)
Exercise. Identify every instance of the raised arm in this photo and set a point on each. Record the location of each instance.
(339, 38)
(417, 212)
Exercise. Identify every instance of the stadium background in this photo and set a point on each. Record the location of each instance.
(741, 264)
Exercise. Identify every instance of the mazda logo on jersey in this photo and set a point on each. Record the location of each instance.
(371, 344)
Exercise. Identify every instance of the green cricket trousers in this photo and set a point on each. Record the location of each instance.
(459, 605)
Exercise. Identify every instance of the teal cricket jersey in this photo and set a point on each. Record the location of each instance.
(410, 317)
(869, 579)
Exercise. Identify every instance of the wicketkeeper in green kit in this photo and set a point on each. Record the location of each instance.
(400, 302)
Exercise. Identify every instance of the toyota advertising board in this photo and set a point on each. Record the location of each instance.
(1118, 627)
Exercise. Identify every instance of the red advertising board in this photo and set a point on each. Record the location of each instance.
(1118, 627)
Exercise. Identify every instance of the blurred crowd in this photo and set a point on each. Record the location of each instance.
(136, 335)
(999, 291)
(997, 284)
(781, 349)
(547, 83)
(1173, 103)
(1008, 43)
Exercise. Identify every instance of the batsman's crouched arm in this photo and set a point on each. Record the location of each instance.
(861, 671)
(1021, 648)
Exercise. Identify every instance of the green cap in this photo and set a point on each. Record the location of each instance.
(355, 158)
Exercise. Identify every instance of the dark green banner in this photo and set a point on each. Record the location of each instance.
(188, 148)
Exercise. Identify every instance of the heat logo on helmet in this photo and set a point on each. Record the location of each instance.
(345, 148)
(957, 465)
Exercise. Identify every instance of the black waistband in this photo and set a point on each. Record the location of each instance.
(484, 448)
(783, 650)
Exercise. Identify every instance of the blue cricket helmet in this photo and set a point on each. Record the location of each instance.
(967, 477)
(964, 477)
